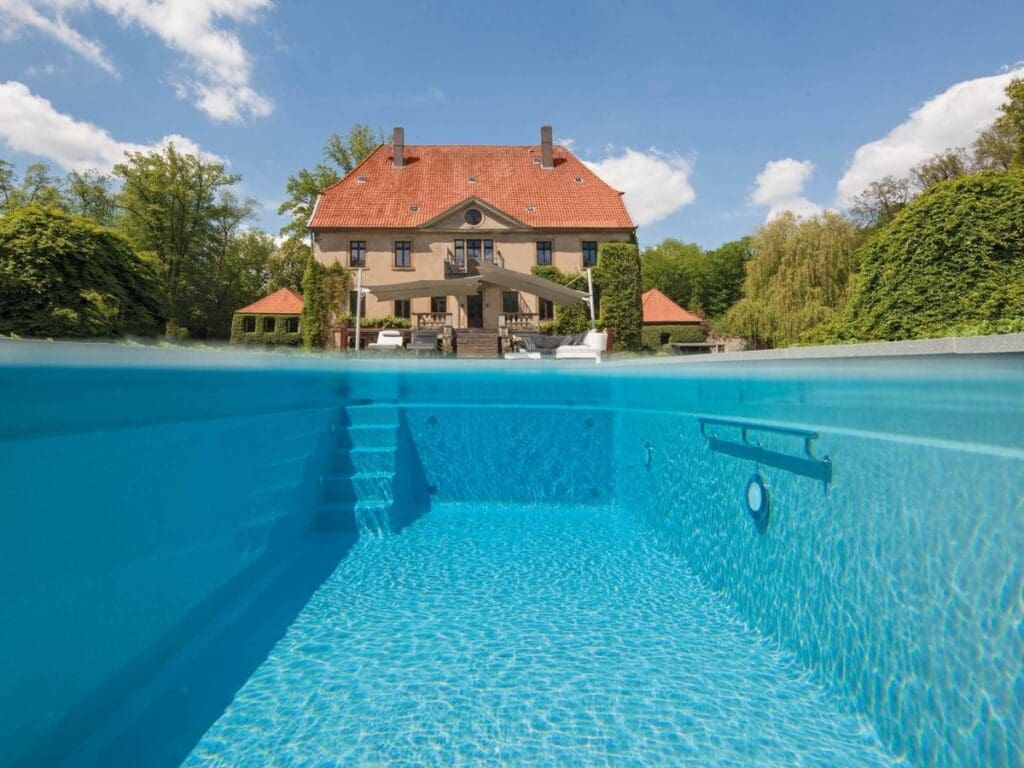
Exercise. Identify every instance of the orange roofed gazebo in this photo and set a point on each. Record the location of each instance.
(659, 309)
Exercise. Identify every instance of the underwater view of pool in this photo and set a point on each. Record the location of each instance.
(215, 559)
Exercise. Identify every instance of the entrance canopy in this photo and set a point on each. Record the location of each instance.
(462, 286)
(490, 274)
(527, 283)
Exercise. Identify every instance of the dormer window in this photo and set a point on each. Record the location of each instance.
(472, 179)
(414, 208)
(578, 179)
(361, 179)
(530, 208)
(474, 217)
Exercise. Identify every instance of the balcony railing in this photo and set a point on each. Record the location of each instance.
(518, 321)
(432, 321)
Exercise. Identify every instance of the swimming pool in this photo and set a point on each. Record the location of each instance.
(243, 560)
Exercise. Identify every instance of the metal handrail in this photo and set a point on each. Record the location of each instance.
(810, 466)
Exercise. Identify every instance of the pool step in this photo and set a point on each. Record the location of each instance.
(357, 491)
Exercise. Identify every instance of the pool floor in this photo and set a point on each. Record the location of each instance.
(487, 635)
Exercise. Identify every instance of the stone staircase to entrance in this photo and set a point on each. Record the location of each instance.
(358, 486)
(476, 343)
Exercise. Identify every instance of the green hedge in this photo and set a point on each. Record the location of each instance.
(953, 257)
(618, 274)
(387, 321)
(677, 334)
(277, 337)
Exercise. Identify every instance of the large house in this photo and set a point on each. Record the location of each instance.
(448, 235)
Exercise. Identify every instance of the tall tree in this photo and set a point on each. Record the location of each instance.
(91, 194)
(801, 274)
(342, 154)
(177, 208)
(676, 269)
(1013, 116)
(287, 265)
(942, 166)
(726, 269)
(877, 205)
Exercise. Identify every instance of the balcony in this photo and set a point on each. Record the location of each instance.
(511, 322)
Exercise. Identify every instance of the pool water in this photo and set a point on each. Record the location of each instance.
(245, 560)
(527, 635)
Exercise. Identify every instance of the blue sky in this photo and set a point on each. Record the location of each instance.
(711, 116)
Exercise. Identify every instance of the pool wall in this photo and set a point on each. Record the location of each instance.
(899, 586)
(134, 503)
(137, 501)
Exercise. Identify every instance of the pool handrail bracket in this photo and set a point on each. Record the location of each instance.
(807, 465)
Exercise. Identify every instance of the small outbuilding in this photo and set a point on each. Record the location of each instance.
(274, 319)
(665, 322)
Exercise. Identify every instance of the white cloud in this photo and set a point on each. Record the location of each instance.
(951, 119)
(30, 124)
(220, 83)
(23, 13)
(567, 142)
(780, 186)
(655, 184)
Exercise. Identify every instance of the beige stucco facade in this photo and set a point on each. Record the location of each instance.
(434, 244)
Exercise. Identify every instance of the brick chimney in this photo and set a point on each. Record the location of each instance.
(398, 147)
(547, 160)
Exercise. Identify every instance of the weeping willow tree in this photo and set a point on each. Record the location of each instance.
(802, 273)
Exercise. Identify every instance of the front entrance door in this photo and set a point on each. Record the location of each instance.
(475, 311)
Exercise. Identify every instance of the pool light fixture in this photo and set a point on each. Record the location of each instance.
(757, 501)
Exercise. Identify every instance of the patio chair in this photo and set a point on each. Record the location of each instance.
(388, 341)
(424, 341)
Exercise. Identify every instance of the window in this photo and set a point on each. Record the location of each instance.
(589, 253)
(357, 253)
(460, 252)
(473, 250)
(489, 251)
(546, 309)
(402, 308)
(543, 253)
(291, 325)
(438, 304)
(403, 253)
(249, 324)
(473, 216)
(269, 324)
(352, 298)
(509, 302)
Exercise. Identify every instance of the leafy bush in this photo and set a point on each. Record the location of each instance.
(569, 318)
(314, 305)
(954, 256)
(65, 276)
(653, 335)
(387, 321)
(618, 274)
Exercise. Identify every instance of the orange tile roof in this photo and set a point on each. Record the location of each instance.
(659, 308)
(281, 302)
(436, 178)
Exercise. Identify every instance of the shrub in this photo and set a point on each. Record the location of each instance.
(954, 256)
(656, 336)
(618, 274)
(314, 305)
(65, 276)
(569, 318)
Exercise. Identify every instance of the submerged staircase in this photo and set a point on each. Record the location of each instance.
(358, 486)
